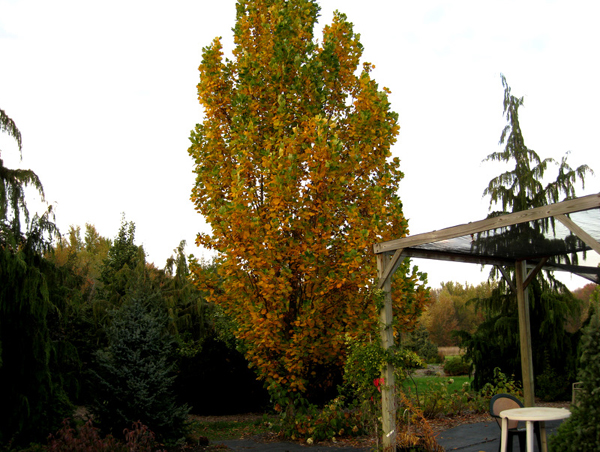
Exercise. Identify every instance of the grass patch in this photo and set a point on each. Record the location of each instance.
(425, 383)
(224, 430)
(443, 396)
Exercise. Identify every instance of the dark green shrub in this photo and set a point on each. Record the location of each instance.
(552, 385)
(218, 365)
(580, 433)
(135, 373)
(456, 366)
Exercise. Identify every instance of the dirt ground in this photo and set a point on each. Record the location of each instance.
(438, 425)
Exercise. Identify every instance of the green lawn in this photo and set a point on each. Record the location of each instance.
(424, 383)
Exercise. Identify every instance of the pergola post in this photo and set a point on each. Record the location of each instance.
(420, 246)
(388, 389)
(525, 333)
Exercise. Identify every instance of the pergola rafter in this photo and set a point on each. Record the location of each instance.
(475, 243)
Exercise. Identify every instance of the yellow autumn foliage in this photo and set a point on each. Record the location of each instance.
(295, 177)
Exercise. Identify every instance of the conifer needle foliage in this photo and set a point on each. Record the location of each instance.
(295, 177)
(580, 432)
(135, 373)
(12, 186)
(496, 341)
(34, 395)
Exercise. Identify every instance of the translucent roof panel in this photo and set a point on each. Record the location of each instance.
(555, 235)
(524, 241)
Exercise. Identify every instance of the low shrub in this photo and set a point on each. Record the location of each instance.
(87, 438)
(456, 366)
(313, 424)
(551, 384)
(502, 385)
(424, 383)
(414, 432)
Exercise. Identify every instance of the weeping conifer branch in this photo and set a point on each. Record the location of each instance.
(8, 126)
(13, 183)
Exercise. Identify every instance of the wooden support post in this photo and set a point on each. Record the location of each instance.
(388, 389)
(525, 333)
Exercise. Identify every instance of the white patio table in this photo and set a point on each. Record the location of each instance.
(531, 415)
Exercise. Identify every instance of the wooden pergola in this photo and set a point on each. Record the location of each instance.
(502, 242)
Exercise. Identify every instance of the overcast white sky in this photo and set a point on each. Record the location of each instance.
(104, 93)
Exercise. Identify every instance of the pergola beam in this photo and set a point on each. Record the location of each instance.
(509, 281)
(565, 207)
(533, 273)
(499, 261)
(390, 268)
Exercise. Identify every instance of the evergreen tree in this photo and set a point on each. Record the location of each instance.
(581, 432)
(32, 349)
(496, 341)
(134, 375)
(521, 188)
(117, 269)
(188, 311)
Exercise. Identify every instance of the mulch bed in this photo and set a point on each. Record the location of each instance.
(438, 425)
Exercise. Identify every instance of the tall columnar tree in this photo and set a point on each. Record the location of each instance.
(294, 176)
(496, 340)
(122, 259)
(186, 306)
